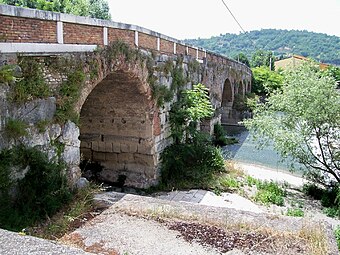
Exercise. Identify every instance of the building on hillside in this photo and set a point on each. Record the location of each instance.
(294, 61)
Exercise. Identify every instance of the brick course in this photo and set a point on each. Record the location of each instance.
(167, 46)
(147, 41)
(126, 36)
(83, 34)
(24, 30)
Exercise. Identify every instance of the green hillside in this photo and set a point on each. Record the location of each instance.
(322, 47)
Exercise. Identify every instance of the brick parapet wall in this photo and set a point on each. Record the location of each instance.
(23, 25)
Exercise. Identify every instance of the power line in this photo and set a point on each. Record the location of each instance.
(238, 23)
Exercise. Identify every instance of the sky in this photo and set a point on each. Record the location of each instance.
(188, 19)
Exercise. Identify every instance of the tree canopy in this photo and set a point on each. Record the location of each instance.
(303, 122)
(93, 8)
(322, 47)
(266, 81)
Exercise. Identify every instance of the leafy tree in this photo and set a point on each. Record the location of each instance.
(241, 57)
(303, 122)
(99, 9)
(93, 8)
(263, 58)
(265, 81)
(322, 47)
(193, 106)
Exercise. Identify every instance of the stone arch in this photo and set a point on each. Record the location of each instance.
(116, 129)
(227, 94)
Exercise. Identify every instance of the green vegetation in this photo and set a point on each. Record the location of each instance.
(32, 85)
(220, 138)
(337, 235)
(302, 121)
(296, 212)
(266, 81)
(322, 47)
(79, 209)
(269, 193)
(192, 160)
(37, 195)
(7, 74)
(330, 198)
(93, 8)
(161, 94)
(69, 93)
(15, 128)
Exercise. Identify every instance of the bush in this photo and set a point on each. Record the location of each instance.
(219, 135)
(330, 198)
(220, 138)
(190, 165)
(39, 194)
(313, 191)
(269, 193)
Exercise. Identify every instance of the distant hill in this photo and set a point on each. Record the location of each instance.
(322, 47)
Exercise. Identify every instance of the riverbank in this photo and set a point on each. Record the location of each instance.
(267, 173)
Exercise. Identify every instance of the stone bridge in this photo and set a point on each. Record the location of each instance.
(113, 76)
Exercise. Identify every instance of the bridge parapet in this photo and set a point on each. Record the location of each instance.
(121, 124)
(29, 30)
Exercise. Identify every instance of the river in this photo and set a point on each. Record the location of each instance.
(246, 151)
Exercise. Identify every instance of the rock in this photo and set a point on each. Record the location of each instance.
(73, 175)
(54, 131)
(36, 110)
(70, 134)
(71, 155)
(82, 183)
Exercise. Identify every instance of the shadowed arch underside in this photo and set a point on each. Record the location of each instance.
(116, 130)
(227, 101)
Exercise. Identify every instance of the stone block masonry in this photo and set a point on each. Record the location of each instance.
(121, 126)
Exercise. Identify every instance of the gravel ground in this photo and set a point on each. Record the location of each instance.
(143, 225)
(134, 236)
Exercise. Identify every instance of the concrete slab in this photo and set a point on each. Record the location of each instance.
(14, 243)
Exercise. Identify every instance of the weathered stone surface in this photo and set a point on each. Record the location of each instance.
(82, 183)
(70, 134)
(71, 155)
(37, 110)
(13, 243)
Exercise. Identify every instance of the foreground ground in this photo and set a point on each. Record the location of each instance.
(191, 222)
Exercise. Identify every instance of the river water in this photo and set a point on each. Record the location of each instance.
(246, 151)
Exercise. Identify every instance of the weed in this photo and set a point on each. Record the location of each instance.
(178, 79)
(32, 85)
(69, 93)
(337, 235)
(7, 74)
(229, 183)
(15, 128)
(168, 66)
(42, 125)
(70, 216)
(296, 212)
(41, 192)
(315, 235)
(331, 211)
(161, 94)
(251, 180)
(269, 193)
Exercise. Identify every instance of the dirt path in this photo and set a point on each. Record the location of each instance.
(143, 225)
